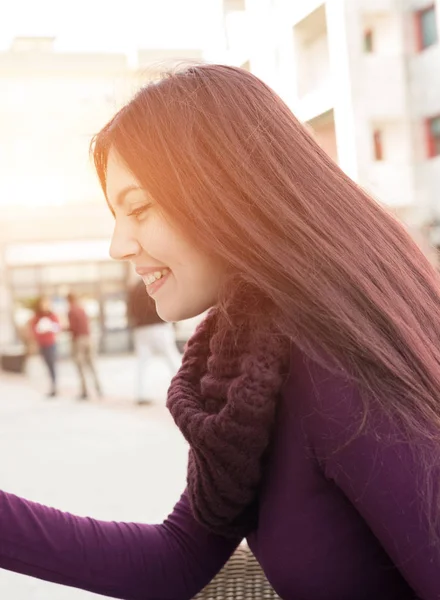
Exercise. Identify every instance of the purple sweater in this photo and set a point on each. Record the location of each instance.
(333, 525)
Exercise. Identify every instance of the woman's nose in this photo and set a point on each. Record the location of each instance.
(124, 244)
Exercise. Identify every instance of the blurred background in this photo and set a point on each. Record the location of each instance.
(364, 75)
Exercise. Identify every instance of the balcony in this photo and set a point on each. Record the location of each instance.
(424, 77)
(314, 79)
(298, 11)
(316, 102)
(382, 89)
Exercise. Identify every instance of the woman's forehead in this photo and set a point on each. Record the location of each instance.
(119, 179)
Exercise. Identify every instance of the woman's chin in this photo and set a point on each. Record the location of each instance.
(175, 312)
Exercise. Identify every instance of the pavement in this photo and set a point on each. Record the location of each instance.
(105, 458)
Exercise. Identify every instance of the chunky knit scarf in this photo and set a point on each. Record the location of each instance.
(224, 400)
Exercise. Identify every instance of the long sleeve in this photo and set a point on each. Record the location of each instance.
(380, 474)
(133, 561)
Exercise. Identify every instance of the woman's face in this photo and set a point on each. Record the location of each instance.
(181, 279)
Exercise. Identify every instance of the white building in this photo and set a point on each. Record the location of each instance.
(365, 75)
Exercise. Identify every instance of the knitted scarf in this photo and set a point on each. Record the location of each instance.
(224, 400)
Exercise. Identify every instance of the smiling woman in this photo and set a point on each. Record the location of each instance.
(186, 280)
(309, 394)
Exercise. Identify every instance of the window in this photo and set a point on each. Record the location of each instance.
(377, 144)
(426, 28)
(368, 41)
(433, 136)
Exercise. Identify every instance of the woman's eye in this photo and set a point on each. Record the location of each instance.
(137, 212)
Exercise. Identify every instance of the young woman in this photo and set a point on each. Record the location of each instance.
(310, 395)
(44, 327)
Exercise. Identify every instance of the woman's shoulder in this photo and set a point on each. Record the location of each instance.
(337, 414)
(316, 387)
(328, 402)
(344, 428)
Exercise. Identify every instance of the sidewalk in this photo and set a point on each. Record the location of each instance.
(116, 373)
(107, 459)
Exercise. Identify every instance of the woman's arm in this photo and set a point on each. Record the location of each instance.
(134, 561)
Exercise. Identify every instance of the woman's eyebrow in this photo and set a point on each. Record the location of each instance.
(121, 196)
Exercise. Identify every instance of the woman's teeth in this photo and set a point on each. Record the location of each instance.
(152, 277)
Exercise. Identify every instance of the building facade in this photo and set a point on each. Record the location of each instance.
(365, 75)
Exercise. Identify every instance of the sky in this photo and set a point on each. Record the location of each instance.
(110, 25)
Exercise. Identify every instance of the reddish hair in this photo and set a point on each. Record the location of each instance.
(225, 158)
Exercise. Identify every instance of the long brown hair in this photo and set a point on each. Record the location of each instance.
(225, 158)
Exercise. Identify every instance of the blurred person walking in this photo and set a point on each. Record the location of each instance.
(82, 347)
(44, 326)
(151, 335)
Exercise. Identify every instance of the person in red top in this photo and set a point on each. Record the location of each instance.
(44, 326)
(81, 345)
